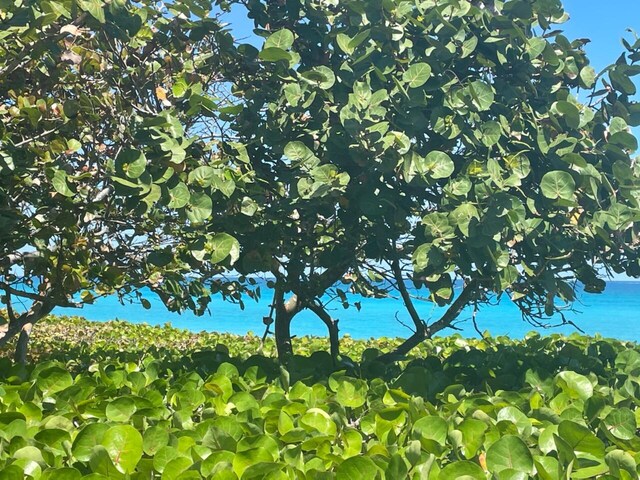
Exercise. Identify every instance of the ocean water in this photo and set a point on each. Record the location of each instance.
(614, 313)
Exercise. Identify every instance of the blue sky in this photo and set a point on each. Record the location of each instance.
(605, 24)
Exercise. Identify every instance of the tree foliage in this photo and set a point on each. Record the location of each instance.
(107, 170)
(465, 147)
(469, 147)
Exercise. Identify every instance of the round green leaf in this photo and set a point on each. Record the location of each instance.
(490, 133)
(417, 75)
(318, 419)
(53, 379)
(274, 54)
(588, 76)
(154, 439)
(202, 176)
(221, 246)
(569, 112)
(66, 473)
(245, 459)
(621, 422)
(574, 385)
(350, 392)
(558, 184)
(282, 39)
(510, 452)
(481, 94)
(199, 208)
(436, 165)
(132, 162)
(90, 436)
(472, 436)
(124, 445)
(356, 468)
(121, 409)
(321, 77)
(179, 196)
(463, 470)
(431, 428)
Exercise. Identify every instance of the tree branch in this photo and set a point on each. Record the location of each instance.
(454, 309)
(420, 325)
(332, 326)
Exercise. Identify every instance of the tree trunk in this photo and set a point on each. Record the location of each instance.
(23, 344)
(332, 326)
(285, 311)
(22, 326)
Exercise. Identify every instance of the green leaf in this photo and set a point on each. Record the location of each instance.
(436, 165)
(509, 452)
(350, 392)
(417, 75)
(356, 468)
(65, 473)
(580, 438)
(575, 385)
(243, 460)
(569, 112)
(558, 184)
(472, 436)
(481, 94)
(53, 379)
(348, 44)
(462, 470)
(282, 39)
(90, 436)
(221, 246)
(621, 422)
(620, 461)
(179, 196)
(124, 445)
(154, 439)
(319, 420)
(94, 7)
(202, 176)
(59, 182)
(322, 77)
(199, 208)
(301, 154)
(588, 76)
(490, 133)
(621, 81)
(132, 162)
(431, 428)
(274, 54)
(120, 409)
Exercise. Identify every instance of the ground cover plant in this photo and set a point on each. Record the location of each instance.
(116, 400)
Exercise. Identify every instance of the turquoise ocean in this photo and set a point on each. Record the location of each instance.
(614, 313)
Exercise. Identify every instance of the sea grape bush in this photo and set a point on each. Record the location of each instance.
(432, 141)
(107, 170)
(548, 407)
(445, 142)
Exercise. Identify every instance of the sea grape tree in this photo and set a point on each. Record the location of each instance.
(466, 145)
(107, 169)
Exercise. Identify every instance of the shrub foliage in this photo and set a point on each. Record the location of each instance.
(132, 401)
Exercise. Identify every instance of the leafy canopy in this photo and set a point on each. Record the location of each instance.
(107, 168)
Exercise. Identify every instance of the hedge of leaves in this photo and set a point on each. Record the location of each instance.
(131, 401)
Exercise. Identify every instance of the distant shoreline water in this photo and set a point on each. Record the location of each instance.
(614, 313)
